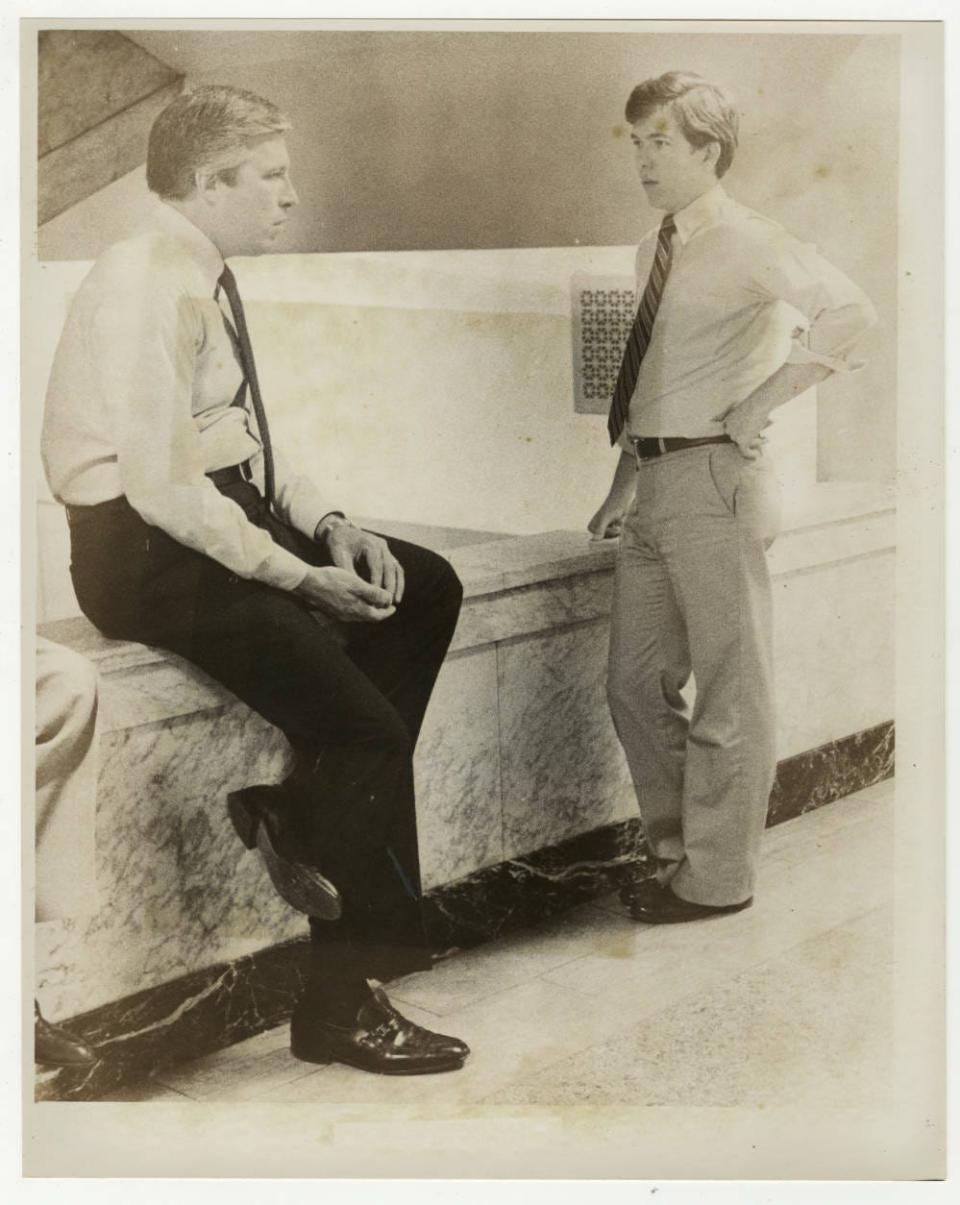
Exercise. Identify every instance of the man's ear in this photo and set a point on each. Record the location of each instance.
(207, 182)
(711, 154)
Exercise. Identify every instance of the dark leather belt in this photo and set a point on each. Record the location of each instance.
(649, 447)
(83, 514)
(230, 475)
(98, 510)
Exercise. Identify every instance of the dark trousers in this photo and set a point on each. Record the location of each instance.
(350, 698)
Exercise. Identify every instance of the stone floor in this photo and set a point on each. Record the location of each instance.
(789, 1001)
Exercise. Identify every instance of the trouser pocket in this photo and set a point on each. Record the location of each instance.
(748, 489)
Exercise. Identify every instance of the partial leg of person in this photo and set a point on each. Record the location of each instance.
(649, 664)
(66, 803)
(66, 782)
(717, 512)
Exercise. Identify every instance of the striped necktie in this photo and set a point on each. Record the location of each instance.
(228, 282)
(639, 338)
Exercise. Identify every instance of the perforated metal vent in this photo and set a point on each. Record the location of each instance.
(603, 311)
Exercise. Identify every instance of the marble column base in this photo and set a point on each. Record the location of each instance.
(216, 1007)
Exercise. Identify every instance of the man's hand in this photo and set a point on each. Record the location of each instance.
(364, 553)
(745, 422)
(344, 595)
(607, 522)
(745, 425)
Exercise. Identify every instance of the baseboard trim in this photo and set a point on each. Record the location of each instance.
(202, 1012)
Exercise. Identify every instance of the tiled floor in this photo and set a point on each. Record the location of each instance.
(789, 1001)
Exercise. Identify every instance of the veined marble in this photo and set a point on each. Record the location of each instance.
(563, 769)
(458, 773)
(176, 885)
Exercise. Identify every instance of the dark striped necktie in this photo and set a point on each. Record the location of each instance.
(228, 282)
(639, 338)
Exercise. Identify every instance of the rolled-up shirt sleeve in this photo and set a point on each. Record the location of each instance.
(144, 345)
(828, 312)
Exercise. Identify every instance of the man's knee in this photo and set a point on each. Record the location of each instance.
(643, 691)
(447, 587)
(72, 681)
(450, 583)
(80, 682)
(430, 575)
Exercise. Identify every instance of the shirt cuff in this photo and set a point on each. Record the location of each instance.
(324, 525)
(282, 570)
(307, 513)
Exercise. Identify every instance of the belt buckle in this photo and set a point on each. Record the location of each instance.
(636, 440)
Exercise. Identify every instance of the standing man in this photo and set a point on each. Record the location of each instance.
(190, 531)
(736, 318)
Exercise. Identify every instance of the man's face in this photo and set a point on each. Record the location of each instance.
(250, 213)
(673, 172)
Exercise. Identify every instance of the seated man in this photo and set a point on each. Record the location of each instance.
(66, 783)
(190, 531)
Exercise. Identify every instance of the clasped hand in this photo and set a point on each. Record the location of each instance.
(365, 582)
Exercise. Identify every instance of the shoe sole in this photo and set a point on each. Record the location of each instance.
(653, 919)
(303, 888)
(324, 1059)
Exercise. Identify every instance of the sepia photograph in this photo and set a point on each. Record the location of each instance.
(477, 571)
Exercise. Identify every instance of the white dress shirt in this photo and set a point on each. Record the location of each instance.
(139, 404)
(742, 299)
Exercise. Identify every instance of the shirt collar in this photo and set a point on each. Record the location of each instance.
(707, 208)
(194, 243)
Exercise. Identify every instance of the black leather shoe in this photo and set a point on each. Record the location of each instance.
(438, 1041)
(638, 889)
(381, 1041)
(54, 1046)
(303, 887)
(665, 908)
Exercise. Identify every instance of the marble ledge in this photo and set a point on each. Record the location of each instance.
(517, 585)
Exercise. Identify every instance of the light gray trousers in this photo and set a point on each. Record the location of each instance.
(66, 782)
(692, 595)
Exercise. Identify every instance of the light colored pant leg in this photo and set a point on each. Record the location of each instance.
(705, 516)
(66, 783)
(648, 666)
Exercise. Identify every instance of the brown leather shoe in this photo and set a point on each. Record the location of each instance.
(663, 907)
(302, 886)
(54, 1046)
(382, 1041)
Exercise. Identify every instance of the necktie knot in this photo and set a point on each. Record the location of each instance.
(667, 226)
